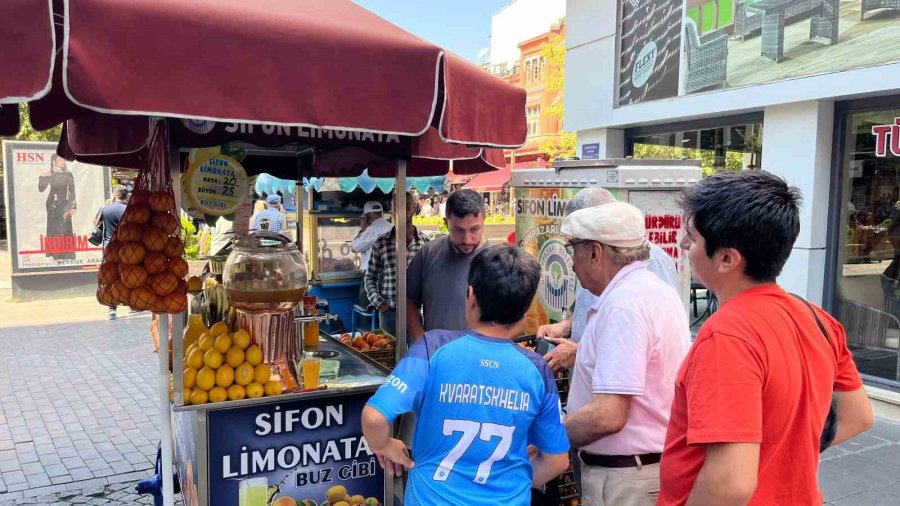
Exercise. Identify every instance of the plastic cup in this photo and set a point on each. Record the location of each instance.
(311, 367)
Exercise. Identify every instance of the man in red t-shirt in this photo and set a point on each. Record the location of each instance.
(752, 395)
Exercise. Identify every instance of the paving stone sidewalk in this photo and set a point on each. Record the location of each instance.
(79, 412)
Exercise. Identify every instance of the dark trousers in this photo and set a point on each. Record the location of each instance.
(388, 321)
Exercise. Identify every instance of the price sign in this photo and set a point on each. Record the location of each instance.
(217, 184)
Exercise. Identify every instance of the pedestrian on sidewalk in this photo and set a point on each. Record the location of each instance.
(480, 399)
(272, 218)
(633, 343)
(110, 216)
(752, 397)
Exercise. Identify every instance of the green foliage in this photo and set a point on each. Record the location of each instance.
(27, 131)
(191, 239)
(499, 219)
(563, 144)
(421, 221)
(734, 160)
(491, 219)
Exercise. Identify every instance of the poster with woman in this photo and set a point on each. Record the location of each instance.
(51, 206)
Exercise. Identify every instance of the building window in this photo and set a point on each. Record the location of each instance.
(534, 69)
(533, 114)
(726, 148)
(867, 294)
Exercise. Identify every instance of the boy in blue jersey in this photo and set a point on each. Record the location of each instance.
(480, 400)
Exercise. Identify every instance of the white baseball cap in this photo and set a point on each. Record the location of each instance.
(616, 224)
(372, 207)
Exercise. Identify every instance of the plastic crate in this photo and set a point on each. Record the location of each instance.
(387, 356)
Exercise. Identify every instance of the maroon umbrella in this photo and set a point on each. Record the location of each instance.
(27, 26)
(289, 69)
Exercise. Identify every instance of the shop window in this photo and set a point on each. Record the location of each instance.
(867, 292)
(533, 115)
(719, 149)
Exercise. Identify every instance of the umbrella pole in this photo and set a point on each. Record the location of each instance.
(165, 416)
(401, 217)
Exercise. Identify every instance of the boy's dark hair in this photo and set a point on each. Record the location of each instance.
(464, 202)
(756, 213)
(504, 279)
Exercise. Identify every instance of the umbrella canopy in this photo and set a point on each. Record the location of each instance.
(327, 73)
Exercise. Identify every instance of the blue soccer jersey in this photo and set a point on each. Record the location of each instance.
(480, 401)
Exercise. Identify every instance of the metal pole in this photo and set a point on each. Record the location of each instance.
(165, 420)
(400, 214)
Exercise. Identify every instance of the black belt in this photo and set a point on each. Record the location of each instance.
(592, 459)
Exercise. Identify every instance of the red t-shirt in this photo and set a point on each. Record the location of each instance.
(760, 371)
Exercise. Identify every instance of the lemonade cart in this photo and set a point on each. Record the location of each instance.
(321, 88)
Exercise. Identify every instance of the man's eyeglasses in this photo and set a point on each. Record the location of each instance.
(570, 247)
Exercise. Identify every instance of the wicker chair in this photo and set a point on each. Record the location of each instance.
(745, 23)
(871, 5)
(706, 57)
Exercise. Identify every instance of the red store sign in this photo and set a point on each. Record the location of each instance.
(887, 137)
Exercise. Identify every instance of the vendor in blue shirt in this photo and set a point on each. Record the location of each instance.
(480, 399)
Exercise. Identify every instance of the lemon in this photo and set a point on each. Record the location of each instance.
(235, 356)
(236, 392)
(254, 390)
(206, 379)
(272, 388)
(212, 359)
(261, 374)
(222, 343)
(195, 359)
(253, 355)
(187, 396)
(217, 394)
(243, 375)
(218, 329)
(224, 376)
(199, 396)
(190, 377)
(242, 339)
(190, 349)
(206, 341)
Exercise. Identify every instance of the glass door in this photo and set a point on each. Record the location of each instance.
(867, 287)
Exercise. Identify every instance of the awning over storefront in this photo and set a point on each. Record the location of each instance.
(489, 181)
(494, 181)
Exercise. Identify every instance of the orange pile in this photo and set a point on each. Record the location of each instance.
(143, 265)
(368, 341)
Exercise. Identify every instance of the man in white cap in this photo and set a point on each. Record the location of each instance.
(372, 226)
(566, 334)
(634, 341)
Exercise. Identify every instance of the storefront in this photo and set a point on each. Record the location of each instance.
(865, 233)
(813, 103)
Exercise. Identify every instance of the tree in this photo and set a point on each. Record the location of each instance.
(562, 144)
(28, 133)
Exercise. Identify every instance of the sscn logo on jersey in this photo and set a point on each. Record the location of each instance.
(557, 287)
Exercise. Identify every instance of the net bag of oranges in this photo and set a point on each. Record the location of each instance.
(143, 265)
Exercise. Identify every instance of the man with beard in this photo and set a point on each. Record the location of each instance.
(437, 276)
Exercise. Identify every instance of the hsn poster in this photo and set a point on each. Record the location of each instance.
(51, 204)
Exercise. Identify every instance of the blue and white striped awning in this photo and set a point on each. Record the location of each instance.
(268, 184)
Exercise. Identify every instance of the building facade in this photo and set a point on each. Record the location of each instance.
(806, 90)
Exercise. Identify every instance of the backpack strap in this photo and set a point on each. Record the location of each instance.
(813, 311)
